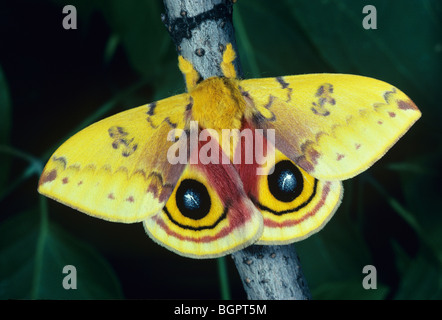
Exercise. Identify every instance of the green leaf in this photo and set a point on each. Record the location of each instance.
(385, 52)
(271, 42)
(5, 126)
(422, 280)
(338, 252)
(33, 253)
(422, 191)
(138, 26)
(223, 278)
(348, 290)
(111, 48)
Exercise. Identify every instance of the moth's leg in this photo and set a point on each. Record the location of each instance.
(190, 74)
(227, 64)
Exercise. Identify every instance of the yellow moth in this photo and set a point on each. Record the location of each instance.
(327, 128)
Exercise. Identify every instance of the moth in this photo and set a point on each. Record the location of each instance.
(326, 128)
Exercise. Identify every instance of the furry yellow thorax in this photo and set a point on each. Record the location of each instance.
(218, 104)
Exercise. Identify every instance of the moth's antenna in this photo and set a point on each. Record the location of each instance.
(191, 76)
(227, 67)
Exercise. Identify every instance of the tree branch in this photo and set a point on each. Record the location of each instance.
(200, 30)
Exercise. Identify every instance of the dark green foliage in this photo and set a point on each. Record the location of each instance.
(53, 82)
(33, 254)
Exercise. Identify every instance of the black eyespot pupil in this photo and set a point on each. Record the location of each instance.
(193, 199)
(286, 181)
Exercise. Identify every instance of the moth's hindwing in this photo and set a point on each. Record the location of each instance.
(208, 214)
(294, 204)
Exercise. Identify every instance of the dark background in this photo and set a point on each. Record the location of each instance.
(53, 82)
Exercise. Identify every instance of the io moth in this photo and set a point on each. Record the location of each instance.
(327, 128)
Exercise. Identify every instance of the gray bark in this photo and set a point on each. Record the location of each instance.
(271, 273)
(200, 40)
(200, 35)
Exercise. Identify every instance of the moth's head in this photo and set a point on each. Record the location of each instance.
(218, 104)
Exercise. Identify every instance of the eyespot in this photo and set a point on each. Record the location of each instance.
(287, 189)
(192, 199)
(194, 203)
(286, 182)
(292, 202)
